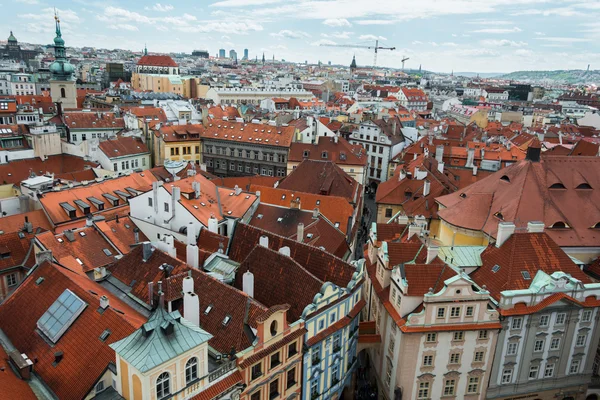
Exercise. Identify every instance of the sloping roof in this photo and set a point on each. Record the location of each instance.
(93, 120)
(523, 252)
(123, 146)
(13, 387)
(258, 134)
(390, 232)
(157, 61)
(325, 266)
(336, 209)
(82, 348)
(15, 223)
(223, 299)
(152, 344)
(318, 232)
(16, 249)
(422, 277)
(120, 232)
(340, 152)
(522, 192)
(18, 170)
(147, 112)
(277, 281)
(322, 177)
(244, 182)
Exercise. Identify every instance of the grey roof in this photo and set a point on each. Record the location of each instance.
(462, 256)
(152, 344)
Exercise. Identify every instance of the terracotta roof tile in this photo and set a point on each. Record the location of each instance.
(93, 120)
(13, 387)
(15, 223)
(123, 146)
(19, 170)
(221, 386)
(340, 152)
(120, 232)
(157, 61)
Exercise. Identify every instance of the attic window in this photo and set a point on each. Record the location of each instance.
(279, 219)
(463, 195)
(259, 216)
(82, 234)
(557, 186)
(584, 186)
(505, 178)
(597, 226)
(499, 215)
(526, 275)
(559, 225)
(104, 335)
(324, 154)
(210, 307)
(337, 225)
(495, 268)
(226, 320)
(107, 252)
(309, 235)
(306, 153)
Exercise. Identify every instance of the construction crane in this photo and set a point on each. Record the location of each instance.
(352, 46)
(404, 59)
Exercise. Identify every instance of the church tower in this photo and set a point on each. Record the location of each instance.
(353, 64)
(62, 82)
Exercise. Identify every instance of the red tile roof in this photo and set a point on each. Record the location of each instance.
(258, 134)
(390, 232)
(341, 323)
(93, 120)
(15, 223)
(123, 146)
(340, 152)
(221, 386)
(120, 232)
(154, 113)
(218, 112)
(244, 182)
(16, 250)
(322, 177)
(422, 277)
(82, 349)
(522, 193)
(13, 387)
(19, 170)
(324, 266)
(523, 252)
(157, 61)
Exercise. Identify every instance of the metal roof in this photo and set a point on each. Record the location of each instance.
(164, 337)
(461, 256)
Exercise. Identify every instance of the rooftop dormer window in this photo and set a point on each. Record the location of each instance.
(559, 225)
(557, 185)
(584, 186)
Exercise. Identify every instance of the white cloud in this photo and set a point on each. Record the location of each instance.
(560, 12)
(498, 30)
(243, 3)
(30, 2)
(124, 27)
(337, 35)
(449, 44)
(564, 39)
(376, 22)
(225, 37)
(417, 42)
(230, 27)
(321, 42)
(524, 53)
(454, 35)
(44, 21)
(371, 37)
(434, 44)
(502, 43)
(540, 34)
(162, 7)
(290, 34)
(488, 22)
(337, 22)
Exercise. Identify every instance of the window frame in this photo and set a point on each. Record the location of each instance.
(165, 385)
(191, 370)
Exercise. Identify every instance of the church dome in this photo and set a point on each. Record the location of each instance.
(12, 37)
(61, 68)
(59, 41)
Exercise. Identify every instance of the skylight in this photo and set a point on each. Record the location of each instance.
(226, 320)
(61, 315)
(495, 268)
(526, 275)
(210, 307)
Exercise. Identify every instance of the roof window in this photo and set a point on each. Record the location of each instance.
(208, 309)
(559, 225)
(584, 186)
(505, 178)
(557, 185)
(495, 268)
(226, 320)
(61, 315)
(526, 275)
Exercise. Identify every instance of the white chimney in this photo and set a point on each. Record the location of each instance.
(285, 251)
(470, 157)
(191, 250)
(474, 170)
(505, 230)
(441, 167)
(196, 187)
(191, 233)
(535, 227)
(300, 233)
(426, 187)
(401, 175)
(237, 190)
(213, 224)
(191, 303)
(248, 283)
(170, 246)
(155, 196)
(439, 153)
(104, 302)
(264, 241)
(89, 221)
(432, 252)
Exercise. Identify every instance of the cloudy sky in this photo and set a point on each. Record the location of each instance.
(440, 35)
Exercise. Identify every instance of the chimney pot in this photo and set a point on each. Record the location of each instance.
(505, 230)
(104, 302)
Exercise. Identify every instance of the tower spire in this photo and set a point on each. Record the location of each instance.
(57, 22)
(145, 49)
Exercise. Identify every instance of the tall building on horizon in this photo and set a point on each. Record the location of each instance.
(245, 54)
(233, 55)
(221, 53)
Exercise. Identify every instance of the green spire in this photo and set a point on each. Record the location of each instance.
(12, 37)
(145, 49)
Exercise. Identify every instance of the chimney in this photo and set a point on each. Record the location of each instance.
(191, 303)
(482, 153)
(88, 220)
(28, 227)
(441, 167)
(439, 153)
(176, 197)
(430, 141)
(136, 235)
(534, 152)
(285, 251)
(237, 190)
(401, 175)
(560, 138)
(316, 213)
(300, 233)
(295, 203)
(58, 356)
(42, 256)
(505, 230)
(155, 196)
(146, 251)
(426, 187)
(248, 283)
(394, 127)
(213, 224)
(535, 227)
(432, 252)
(104, 302)
(170, 245)
(470, 157)
(196, 188)
(264, 241)
(193, 257)
(335, 139)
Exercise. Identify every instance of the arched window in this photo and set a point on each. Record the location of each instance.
(273, 328)
(163, 386)
(63, 93)
(191, 370)
(559, 225)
